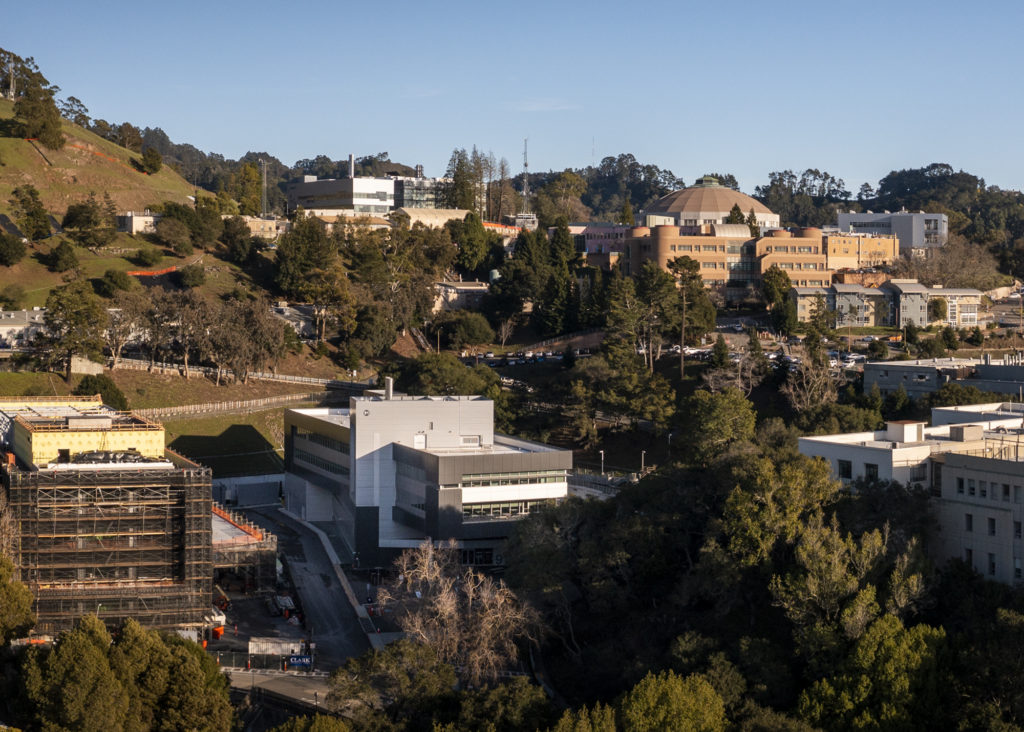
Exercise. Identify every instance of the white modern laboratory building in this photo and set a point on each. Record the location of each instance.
(391, 471)
(972, 463)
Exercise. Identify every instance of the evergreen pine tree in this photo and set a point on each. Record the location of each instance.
(627, 217)
(720, 353)
(735, 215)
(39, 115)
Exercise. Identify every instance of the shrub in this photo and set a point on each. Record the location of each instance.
(176, 235)
(932, 348)
(113, 280)
(11, 297)
(152, 160)
(148, 256)
(194, 275)
(12, 249)
(950, 338)
(62, 257)
(104, 386)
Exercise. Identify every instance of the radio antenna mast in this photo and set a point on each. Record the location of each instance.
(526, 177)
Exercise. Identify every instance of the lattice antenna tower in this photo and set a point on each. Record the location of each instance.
(526, 177)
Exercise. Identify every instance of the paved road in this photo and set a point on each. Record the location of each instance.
(330, 618)
(311, 690)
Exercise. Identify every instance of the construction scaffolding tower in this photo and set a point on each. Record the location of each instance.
(115, 540)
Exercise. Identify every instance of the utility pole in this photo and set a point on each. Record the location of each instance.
(680, 275)
(682, 338)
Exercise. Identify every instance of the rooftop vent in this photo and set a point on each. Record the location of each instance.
(966, 432)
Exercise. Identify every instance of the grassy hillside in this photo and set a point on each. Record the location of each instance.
(87, 163)
(32, 274)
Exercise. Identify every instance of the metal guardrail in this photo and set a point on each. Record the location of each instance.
(265, 671)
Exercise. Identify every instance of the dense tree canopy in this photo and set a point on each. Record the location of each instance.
(75, 322)
(138, 680)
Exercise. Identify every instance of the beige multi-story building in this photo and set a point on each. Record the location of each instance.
(806, 300)
(856, 251)
(729, 257)
(269, 229)
(135, 222)
(962, 305)
(691, 222)
(801, 255)
(724, 251)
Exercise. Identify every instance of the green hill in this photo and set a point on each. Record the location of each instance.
(87, 163)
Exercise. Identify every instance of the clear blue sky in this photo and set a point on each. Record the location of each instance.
(857, 89)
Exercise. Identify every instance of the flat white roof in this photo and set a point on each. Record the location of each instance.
(224, 530)
(936, 362)
(338, 416)
(1007, 408)
(473, 450)
(933, 436)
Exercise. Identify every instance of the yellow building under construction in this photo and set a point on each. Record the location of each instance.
(105, 519)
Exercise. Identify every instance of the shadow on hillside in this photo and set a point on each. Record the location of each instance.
(238, 450)
(10, 128)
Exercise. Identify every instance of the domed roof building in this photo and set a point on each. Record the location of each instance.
(709, 202)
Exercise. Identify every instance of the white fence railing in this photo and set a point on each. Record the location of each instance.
(243, 406)
(171, 366)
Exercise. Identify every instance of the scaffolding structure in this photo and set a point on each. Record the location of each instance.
(121, 540)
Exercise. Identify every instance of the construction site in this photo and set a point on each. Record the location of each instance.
(102, 518)
(244, 555)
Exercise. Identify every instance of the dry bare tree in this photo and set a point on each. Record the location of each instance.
(505, 330)
(959, 263)
(472, 621)
(810, 386)
(126, 322)
(744, 375)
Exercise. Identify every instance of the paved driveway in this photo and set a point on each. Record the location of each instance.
(332, 622)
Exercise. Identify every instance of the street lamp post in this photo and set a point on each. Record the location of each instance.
(602, 463)
(643, 454)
